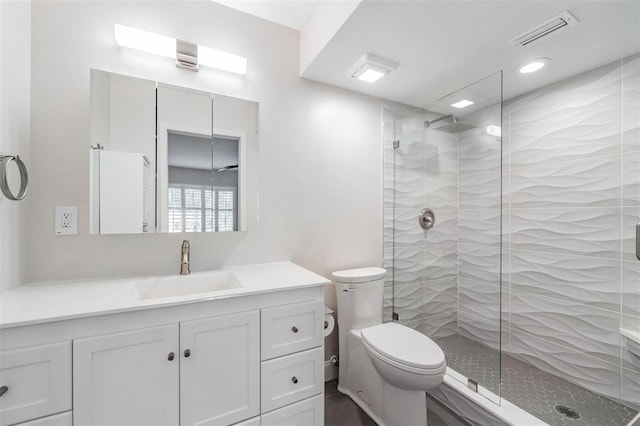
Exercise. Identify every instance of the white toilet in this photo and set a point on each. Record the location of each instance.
(384, 368)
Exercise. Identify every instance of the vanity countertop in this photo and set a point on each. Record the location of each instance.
(44, 302)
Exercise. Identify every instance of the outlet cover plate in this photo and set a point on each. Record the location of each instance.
(66, 221)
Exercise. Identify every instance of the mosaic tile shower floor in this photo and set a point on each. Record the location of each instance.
(530, 388)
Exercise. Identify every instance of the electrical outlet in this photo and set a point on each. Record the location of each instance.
(66, 221)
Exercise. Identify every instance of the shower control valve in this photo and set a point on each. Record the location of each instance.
(426, 219)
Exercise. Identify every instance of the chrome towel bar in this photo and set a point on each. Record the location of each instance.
(5, 160)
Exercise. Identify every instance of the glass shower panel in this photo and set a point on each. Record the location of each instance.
(446, 281)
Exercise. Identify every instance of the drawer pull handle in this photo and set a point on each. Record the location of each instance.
(294, 379)
(171, 356)
(294, 329)
(3, 390)
(187, 353)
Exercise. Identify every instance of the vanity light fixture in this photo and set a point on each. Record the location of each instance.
(187, 55)
(371, 68)
(463, 103)
(145, 41)
(533, 66)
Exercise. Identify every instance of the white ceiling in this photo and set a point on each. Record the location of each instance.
(445, 45)
(290, 13)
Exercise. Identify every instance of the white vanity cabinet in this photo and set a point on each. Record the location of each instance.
(204, 372)
(127, 378)
(93, 355)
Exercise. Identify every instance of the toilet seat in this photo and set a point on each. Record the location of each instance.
(404, 348)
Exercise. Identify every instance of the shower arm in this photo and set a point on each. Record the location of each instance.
(428, 123)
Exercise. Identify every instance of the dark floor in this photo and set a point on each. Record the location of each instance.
(530, 388)
(340, 410)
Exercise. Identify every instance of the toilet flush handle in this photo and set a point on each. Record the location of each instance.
(350, 288)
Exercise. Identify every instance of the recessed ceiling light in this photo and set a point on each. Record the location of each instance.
(371, 68)
(463, 103)
(533, 66)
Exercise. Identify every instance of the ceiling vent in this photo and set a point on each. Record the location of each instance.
(551, 26)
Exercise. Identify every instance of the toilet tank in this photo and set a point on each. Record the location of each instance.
(360, 293)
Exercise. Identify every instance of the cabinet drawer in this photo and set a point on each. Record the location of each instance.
(62, 419)
(309, 412)
(38, 382)
(291, 378)
(291, 328)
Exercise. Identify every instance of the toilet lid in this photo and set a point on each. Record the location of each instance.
(359, 275)
(404, 345)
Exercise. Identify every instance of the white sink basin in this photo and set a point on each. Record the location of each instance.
(185, 285)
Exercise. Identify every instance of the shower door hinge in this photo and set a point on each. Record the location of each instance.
(396, 144)
(395, 316)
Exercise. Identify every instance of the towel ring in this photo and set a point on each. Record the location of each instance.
(24, 177)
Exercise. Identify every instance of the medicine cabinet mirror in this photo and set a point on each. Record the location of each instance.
(170, 159)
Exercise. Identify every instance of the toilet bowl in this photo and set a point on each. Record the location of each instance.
(404, 357)
(384, 368)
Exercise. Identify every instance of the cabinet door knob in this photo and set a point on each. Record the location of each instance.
(171, 356)
(294, 329)
(187, 353)
(294, 379)
(3, 390)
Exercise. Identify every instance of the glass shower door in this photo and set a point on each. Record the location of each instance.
(444, 210)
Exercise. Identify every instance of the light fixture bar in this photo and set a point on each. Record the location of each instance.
(145, 41)
(187, 55)
(222, 60)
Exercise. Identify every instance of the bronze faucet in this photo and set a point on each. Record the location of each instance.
(184, 262)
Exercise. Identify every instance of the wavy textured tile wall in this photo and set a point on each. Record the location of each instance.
(575, 164)
(570, 199)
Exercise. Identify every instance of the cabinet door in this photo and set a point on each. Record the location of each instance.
(220, 369)
(127, 378)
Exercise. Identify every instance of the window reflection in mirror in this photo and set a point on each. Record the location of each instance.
(203, 183)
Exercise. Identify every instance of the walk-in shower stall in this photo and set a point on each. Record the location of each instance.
(510, 241)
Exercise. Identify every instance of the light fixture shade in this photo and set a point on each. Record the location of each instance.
(222, 60)
(371, 68)
(145, 41)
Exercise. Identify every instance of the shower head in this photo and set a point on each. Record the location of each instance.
(453, 125)
(456, 127)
